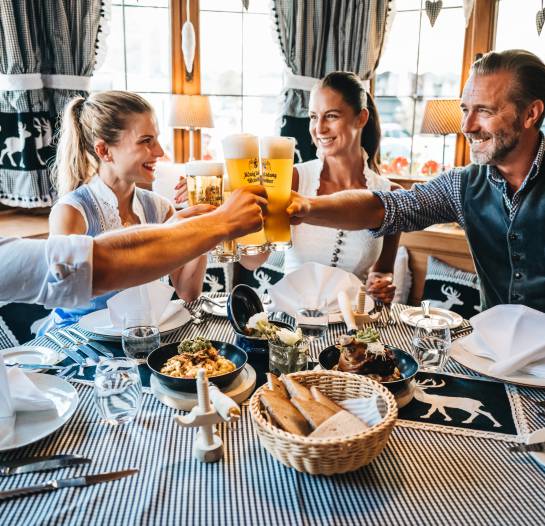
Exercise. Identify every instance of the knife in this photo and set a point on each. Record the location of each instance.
(32, 464)
(66, 349)
(44, 366)
(54, 484)
(538, 447)
(91, 343)
(82, 346)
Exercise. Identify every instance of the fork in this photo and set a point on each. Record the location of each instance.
(69, 350)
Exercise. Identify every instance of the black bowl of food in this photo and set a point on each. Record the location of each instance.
(392, 367)
(175, 365)
(250, 322)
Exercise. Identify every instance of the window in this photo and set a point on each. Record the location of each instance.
(241, 69)
(419, 62)
(138, 56)
(516, 27)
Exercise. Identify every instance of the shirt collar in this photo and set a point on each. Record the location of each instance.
(495, 177)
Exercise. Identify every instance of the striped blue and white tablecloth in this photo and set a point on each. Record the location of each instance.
(422, 477)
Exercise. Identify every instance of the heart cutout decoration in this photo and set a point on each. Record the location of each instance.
(433, 9)
(540, 20)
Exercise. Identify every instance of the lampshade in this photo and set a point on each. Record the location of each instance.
(442, 116)
(190, 111)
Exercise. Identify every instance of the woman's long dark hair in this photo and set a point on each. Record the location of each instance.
(351, 88)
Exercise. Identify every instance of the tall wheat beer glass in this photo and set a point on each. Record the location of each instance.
(276, 175)
(241, 153)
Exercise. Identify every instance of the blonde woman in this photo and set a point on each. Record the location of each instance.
(108, 144)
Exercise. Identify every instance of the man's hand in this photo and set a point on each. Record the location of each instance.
(298, 208)
(243, 212)
(191, 211)
(181, 191)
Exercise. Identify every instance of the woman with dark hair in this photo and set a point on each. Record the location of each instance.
(345, 128)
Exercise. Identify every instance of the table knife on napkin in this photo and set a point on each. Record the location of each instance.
(32, 464)
(54, 484)
(538, 447)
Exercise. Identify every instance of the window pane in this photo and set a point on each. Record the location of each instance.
(227, 112)
(144, 3)
(221, 5)
(111, 75)
(262, 63)
(259, 115)
(397, 68)
(396, 120)
(221, 58)
(516, 27)
(441, 54)
(148, 49)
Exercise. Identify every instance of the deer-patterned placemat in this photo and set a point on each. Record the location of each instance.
(462, 405)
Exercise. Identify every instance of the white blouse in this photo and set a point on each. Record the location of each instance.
(352, 250)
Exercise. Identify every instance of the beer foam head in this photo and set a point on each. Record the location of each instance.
(277, 147)
(240, 146)
(204, 168)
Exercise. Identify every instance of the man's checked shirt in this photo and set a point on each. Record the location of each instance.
(440, 200)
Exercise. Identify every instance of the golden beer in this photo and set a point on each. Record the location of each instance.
(204, 182)
(241, 152)
(226, 252)
(276, 176)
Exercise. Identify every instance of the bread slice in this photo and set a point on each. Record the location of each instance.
(275, 385)
(341, 424)
(295, 389)
(284, 413)
(314, 412)
(324, 400)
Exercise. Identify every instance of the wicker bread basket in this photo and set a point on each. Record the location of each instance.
(328, 456)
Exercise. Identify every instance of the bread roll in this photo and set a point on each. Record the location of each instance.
(275, 385)
(314, 412)
(324, 400)
(295, 389)
(284, 413)
(341, 424)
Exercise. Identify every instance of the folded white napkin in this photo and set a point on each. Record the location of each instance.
(17, 393)
(150, 302)
(365, 409)
(312, 285)
(513, 336)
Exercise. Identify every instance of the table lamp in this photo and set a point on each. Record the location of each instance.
(190, 112)
(442, 117)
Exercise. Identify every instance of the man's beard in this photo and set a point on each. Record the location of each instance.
(499, 146)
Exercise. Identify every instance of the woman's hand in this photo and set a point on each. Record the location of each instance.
(380, 286)
(181, 191)
(191, 211)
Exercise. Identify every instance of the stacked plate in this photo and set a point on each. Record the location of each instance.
(98, 323)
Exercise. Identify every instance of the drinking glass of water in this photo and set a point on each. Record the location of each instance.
(118, 390)
(431, 343)
(139, 336)
(313, 321)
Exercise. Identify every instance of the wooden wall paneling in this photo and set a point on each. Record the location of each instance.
(180, 84)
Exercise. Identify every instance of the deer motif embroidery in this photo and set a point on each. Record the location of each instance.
(16, 145)
(263, 280)
(452, 295)
(213, 282)
(43, 127)
(440, 403)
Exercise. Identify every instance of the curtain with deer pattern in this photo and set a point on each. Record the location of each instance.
(42, 43)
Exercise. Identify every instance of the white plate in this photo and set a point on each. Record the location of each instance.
(412, 315)
(95, 321)
(31, 354)
(534, 438)
(34, 425)
(481, 365)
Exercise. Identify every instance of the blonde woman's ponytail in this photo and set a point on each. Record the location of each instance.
(74, 163)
